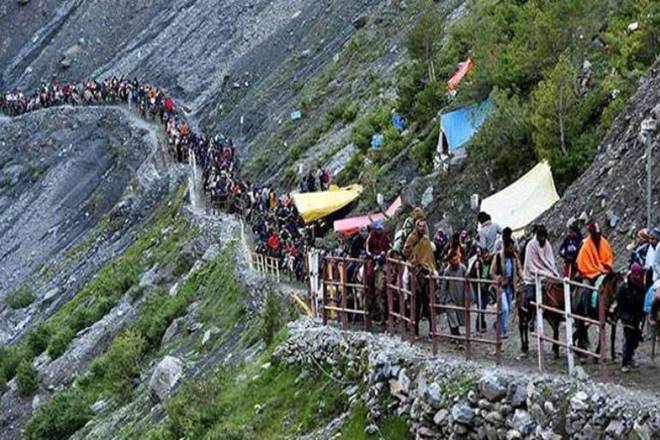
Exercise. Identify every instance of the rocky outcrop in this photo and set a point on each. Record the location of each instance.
(62, 171)
(165, 378)
(443, 398)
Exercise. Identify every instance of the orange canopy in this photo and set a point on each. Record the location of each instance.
(463, 69)
(593, 262)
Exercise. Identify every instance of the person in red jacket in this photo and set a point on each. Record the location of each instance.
(169, 104)
(273, 243)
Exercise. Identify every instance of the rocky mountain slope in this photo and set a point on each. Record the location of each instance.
(125, 314)
(75, 186)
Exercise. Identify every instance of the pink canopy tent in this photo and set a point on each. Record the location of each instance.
(350, 226)
(463, 69)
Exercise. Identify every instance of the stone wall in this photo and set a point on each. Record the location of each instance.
(446, 398)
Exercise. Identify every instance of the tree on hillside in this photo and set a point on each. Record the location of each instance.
(554, 100)
(424, 38)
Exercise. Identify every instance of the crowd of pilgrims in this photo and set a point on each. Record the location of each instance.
(488, 253)
(275, 222)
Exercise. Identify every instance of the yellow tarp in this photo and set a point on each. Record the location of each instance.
(520, 203)
(316, 205)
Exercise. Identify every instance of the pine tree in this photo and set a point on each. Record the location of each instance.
(554, 101)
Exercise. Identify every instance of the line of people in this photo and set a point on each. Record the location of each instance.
(277, 229)
(495, 254)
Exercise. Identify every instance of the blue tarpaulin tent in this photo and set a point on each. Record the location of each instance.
(460, 125)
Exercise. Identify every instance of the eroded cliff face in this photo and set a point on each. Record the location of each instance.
(74, 184)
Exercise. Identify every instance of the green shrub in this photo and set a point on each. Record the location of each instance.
(20, 298)
(157, 314)
(59, 342)
(10, 357)
(37, 339)
(121, 364)
(65, 414)
(182, 265)
(343, 111)
(273, 317)
(27, 378)
(193, 411)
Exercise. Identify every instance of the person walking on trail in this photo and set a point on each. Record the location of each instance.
(569, 250)
(479, 268)
(506, 268)
(629, 306)
(652, 272)
(539, 260)
(377, 246)
(419, 251)
(488, 232)
(640, 249)
(452, 292)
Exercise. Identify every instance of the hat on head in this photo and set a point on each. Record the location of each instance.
(418, 214)
(378, 224)
(655, 233)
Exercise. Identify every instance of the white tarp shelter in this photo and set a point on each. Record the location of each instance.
(520, 203)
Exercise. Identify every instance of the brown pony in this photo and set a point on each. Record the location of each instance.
(607, 291)
(554, 297)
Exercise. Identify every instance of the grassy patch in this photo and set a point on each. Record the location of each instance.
(252, 402)
(20, 298)
(27, 378)
(392, 428)
(113, 374)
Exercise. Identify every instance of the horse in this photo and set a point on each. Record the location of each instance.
(554, 297)
(607, 292)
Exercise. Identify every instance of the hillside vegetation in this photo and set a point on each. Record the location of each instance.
(558, 71)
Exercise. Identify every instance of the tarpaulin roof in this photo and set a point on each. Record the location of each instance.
(520, 203)
(350, 226)
(316, 205)
(460, 125)
(463, 69)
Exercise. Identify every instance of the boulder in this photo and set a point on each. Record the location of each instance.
(149, 278)
(165, 378)
(360, 22)
(492, 387)
(52, 293)
(462, 413)
(522, 422)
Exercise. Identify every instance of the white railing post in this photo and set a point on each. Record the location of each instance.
(539, 319)
(568, 316)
